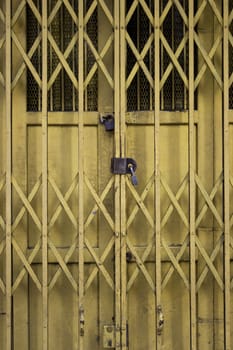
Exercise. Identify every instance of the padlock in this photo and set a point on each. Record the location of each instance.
(108, 121)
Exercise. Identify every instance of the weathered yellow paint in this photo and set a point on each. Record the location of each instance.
(83, 251)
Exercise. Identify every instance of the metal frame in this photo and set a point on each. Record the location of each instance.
(119, 82)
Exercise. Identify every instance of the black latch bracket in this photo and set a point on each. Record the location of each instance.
(125, 166)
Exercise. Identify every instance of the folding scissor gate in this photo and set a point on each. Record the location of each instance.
(116, 174)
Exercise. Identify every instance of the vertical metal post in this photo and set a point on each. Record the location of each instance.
(117, 177)
(226, 176)
(8, 178)
(81, 172)
(192, 231)
(157, 169)
(44, 175)
(123, 182)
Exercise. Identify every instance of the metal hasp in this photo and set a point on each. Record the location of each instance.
(81, 321)
(109, 337)
(107, 121)
(160, 319)
(125, 166)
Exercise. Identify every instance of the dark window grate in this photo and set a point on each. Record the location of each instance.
(33, 90)
(174, 94)
(62, 94)
(140, 91)
(92, 88)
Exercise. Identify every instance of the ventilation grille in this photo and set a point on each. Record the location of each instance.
(140, 92)
(62, 93)
(33, 29)
(174, 94)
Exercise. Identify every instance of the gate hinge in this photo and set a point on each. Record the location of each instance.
(124, 166)
(109, 336)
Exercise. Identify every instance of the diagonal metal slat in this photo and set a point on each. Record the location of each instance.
(54, 11)
(2, 42)
(212, 195)
(131, 11)
(2, 80)
(63, 265)
(212, 258)
(63, 201)
(211, 56)
(177, 257)
(66, 55)
(2, 16)
(106, 11)
(230, 37)
(35, 11)
(173, 58)
(18, 12)
(2, 247)
(2, 223)
(174, 201)
(93, 211)
(208, 261)
(181, 12)
(2, 184)
(58, 210)
(175, 262)
(208, 61)
(100, 203)
(2, 286)
(137, 63)
(147, 11)
(141, 266)
(26, 203)
(151, 241)
(96, 268)
(209, 201)
(23, 65)
(91, 9)
(170, 65)
(71, 11)
(26, 59)
(165, 12)
(139, 59)
(143, 197)
(171, 207)
(133, 8)
(216, 11)
(140, 202)
(30, 259)
(99, 60)
(87, 223)
(94, 68)
(26, 265)
(99, 264)
(22, 211)
(63, 61)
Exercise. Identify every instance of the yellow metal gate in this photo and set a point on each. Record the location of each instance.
(88, 258)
